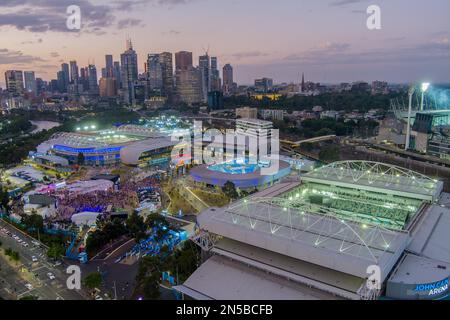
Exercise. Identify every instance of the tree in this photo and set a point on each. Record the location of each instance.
(329, 154)
(150, 287)
(80, 159)
(149, 276)
(184, 261)
(55, 251)
(93, 280)
(4, 199)
(136, 226)
(230, 190)
(33, 221)
(13, 255)
(29, 298)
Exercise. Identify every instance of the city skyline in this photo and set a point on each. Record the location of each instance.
(328, 41)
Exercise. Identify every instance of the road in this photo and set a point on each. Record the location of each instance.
(13, 278)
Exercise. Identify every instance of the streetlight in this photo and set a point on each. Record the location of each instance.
(411, 91)
(424, 88)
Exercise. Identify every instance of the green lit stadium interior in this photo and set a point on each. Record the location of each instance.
(384, 210)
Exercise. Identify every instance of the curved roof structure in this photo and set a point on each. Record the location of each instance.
(322, 239)
(251, 179)
(130, 154)
(377, 177)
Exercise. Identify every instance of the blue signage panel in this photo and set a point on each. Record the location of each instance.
(432, 289)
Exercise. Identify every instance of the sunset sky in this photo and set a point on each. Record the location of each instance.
(326, 39)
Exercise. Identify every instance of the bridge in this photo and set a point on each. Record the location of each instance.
(311, 140)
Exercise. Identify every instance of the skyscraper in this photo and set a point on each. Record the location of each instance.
(188, 85)
(74, 73)
(183, 60)
(84, 78)
(154, 72)
(61, 82)
(93, 82)
(117, 74)
(108, 87)
(129, 71)
(215, 75)
(14, 81)
(30, 82)
(40, 86)
(205, 73)
(228, 82)
(64, 82)
(109, 66)
(303, 83)
(165, 59)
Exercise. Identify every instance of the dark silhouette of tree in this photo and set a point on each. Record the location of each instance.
(230, 190)
(80, 159)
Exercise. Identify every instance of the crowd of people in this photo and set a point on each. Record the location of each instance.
(98, 201)
(125, 197)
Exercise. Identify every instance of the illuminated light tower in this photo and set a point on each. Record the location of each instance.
(411, 91)
(424, 88)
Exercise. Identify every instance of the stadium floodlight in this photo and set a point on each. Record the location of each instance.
(424, 89)
(425, 86)
(93, 127)
(411, 91)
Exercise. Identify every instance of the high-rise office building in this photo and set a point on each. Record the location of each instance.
(108, 87)
(65, 80)
(154, 72)
(215, 75)
(84, 78)
(165, 59)
(129, 72)
(30, 82)
(205, 73)
(14, 81)
(104, 73)
(228, 82)
(60, 82)
(109, 66)
(303, 88)
(183, 60)
(188, 85)
(41, 86)
(117, 74)
(93, 81)
(74, 72)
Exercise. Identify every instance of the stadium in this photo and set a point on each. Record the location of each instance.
(128, 144)
(323, 237)
(241, 172)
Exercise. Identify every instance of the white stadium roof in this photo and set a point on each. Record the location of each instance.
(321, 239)
(377, 177)
(222, 279)
(131, 153)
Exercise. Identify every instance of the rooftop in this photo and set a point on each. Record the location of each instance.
(222, 279)
(377, 177)
(413, 269)
(322, 239)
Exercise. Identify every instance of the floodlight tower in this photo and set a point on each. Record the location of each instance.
(424, 89)
(411, 91)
